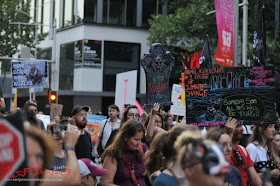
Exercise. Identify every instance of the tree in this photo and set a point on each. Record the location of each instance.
(185, 27)
(11, 36)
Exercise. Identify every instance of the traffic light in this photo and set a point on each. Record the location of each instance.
(53, 97)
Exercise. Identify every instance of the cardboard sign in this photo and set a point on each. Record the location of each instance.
(157, 65)
(30, 74)
(93, 125)
(244, 93)
(179, 105)
(56, 109)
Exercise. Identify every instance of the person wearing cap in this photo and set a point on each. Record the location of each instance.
(84, 144)
(89, 172)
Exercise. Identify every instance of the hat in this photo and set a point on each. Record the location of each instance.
(87, 167)
(78, 108)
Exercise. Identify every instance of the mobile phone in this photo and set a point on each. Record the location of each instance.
(58, 130)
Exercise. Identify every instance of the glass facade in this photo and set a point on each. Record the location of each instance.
(68, 12)
(150, 7)
(90, 10)
(46, 17)
(66, 66)
(118, 12)
(119, 57)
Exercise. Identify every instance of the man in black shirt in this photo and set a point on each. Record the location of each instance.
(83, 147)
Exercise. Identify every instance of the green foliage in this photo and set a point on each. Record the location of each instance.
(185, 27)
(13, 35)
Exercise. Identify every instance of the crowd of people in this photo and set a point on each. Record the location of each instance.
(153, 152)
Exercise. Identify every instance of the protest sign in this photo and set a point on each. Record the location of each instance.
(244, 93)
(179, 106)
(157, 65)
(30, 74)
(126, 85)
(93, 125)
(45, 118)
(56, 109)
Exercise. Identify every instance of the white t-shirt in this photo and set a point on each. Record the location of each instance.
(257, 152)
(107, 130)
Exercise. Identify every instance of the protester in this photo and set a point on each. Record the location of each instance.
(153, 124)
(32, 105)
(56, 119)
(222, 138)
(84, 145)
(89, 110)
(89, 172)
(201, 160)
(130, 112)
(162, 156)
(39, 150)
(276, 150)
(106, 128)
(241, 159)
(168, 122)
(57, 132)
(124, 157)
(260, 150)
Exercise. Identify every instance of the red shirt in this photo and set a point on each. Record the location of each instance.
(243, 164)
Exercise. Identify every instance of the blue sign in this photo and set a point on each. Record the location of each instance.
(95, 119)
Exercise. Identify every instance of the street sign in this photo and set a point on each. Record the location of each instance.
(11, 150)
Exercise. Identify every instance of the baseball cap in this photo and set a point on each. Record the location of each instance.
(78, 108)
(87, 167)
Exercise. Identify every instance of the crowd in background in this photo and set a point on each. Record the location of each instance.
(153, 151)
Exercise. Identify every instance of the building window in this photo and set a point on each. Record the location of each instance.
(120, 12)
(68, 12)
(45, 54)
(66, 66)
(150, 7)
(46, 17)
(57, 13)
(90, 9)
(119, 57)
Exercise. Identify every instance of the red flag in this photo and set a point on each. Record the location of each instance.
(140, 108)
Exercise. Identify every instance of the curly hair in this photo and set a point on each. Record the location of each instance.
(161, 149)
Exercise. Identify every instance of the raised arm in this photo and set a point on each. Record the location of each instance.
(151, 124)
(71, 176)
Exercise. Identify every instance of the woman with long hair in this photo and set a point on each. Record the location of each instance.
(260, 150)
(124, 158)
(222, 138)
(167, 122)
(201, 160)
(276, 151)
(162, 156)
